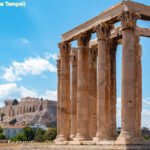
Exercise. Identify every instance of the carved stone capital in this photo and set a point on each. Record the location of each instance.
(84, 39)
(64, 49)
(128, 20)
(73, 56)
(103, 31)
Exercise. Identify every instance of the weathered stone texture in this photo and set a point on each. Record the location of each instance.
(30, 111)
(93, 77)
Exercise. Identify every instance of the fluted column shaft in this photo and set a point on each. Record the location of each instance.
(73, 93)
(112, 89)
(138, 88)
(58, 95)
(129, 68)
(64, 92)
(103, 32)
(92, 91)
(82, 89)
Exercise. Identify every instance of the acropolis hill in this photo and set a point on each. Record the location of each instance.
(29, 111)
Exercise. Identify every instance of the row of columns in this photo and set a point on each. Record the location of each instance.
(87, 104)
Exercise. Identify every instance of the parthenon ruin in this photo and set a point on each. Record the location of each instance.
(87, 77)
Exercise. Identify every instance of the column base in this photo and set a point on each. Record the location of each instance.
(61, 138)
(80, 137)
(72, 136)
(102, 137)
(126, 138)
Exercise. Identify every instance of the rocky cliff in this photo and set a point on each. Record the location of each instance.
(29, 111)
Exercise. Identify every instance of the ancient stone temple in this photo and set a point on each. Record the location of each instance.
(87, 77)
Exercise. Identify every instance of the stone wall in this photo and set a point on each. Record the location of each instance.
(29, 110)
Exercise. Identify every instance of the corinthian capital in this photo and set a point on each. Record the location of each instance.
(64, 48)
(84, 39)
(103, 31)
(128, 20)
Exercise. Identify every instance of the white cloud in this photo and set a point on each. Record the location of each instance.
(24, 41)
(51, 95)
(12, 91)
(30, 66)
(53, 56)
(24, 92)
(7, 89)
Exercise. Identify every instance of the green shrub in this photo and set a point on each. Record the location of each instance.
(50, 134)
(29, 133)
(19, 137)
(1, 130)
(39, 135)
(2, 136)
(39, 138)
(39, 131)
(146, 137)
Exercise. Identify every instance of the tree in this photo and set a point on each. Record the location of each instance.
(26, 135)
(39, 135)
(146, 133)
(1, 130)
(2, 116)
(29, 133)
(15, 102)
(19, 137)
(2, 136)
(13, 121)
(50, 134)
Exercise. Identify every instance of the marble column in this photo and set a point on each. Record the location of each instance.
(58, 94)
(129, 68)
(112, 89)
(138, 88)
(64, 92)
(103, 33)
(92, 91)
(82, 89)
(73, 92)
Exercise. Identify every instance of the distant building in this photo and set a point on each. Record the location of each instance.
(11, 131)
(29, 111)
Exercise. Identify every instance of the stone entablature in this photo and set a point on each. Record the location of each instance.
(108, 16)
(87, 77)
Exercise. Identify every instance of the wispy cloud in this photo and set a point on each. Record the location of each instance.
(12, 91)
(24, 41)
(30, 66)
(53, 56)
(7, 90)
(52, 95)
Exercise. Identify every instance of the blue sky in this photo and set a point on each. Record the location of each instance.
(28, 47)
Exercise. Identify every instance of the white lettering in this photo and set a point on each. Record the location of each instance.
(15, 4)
